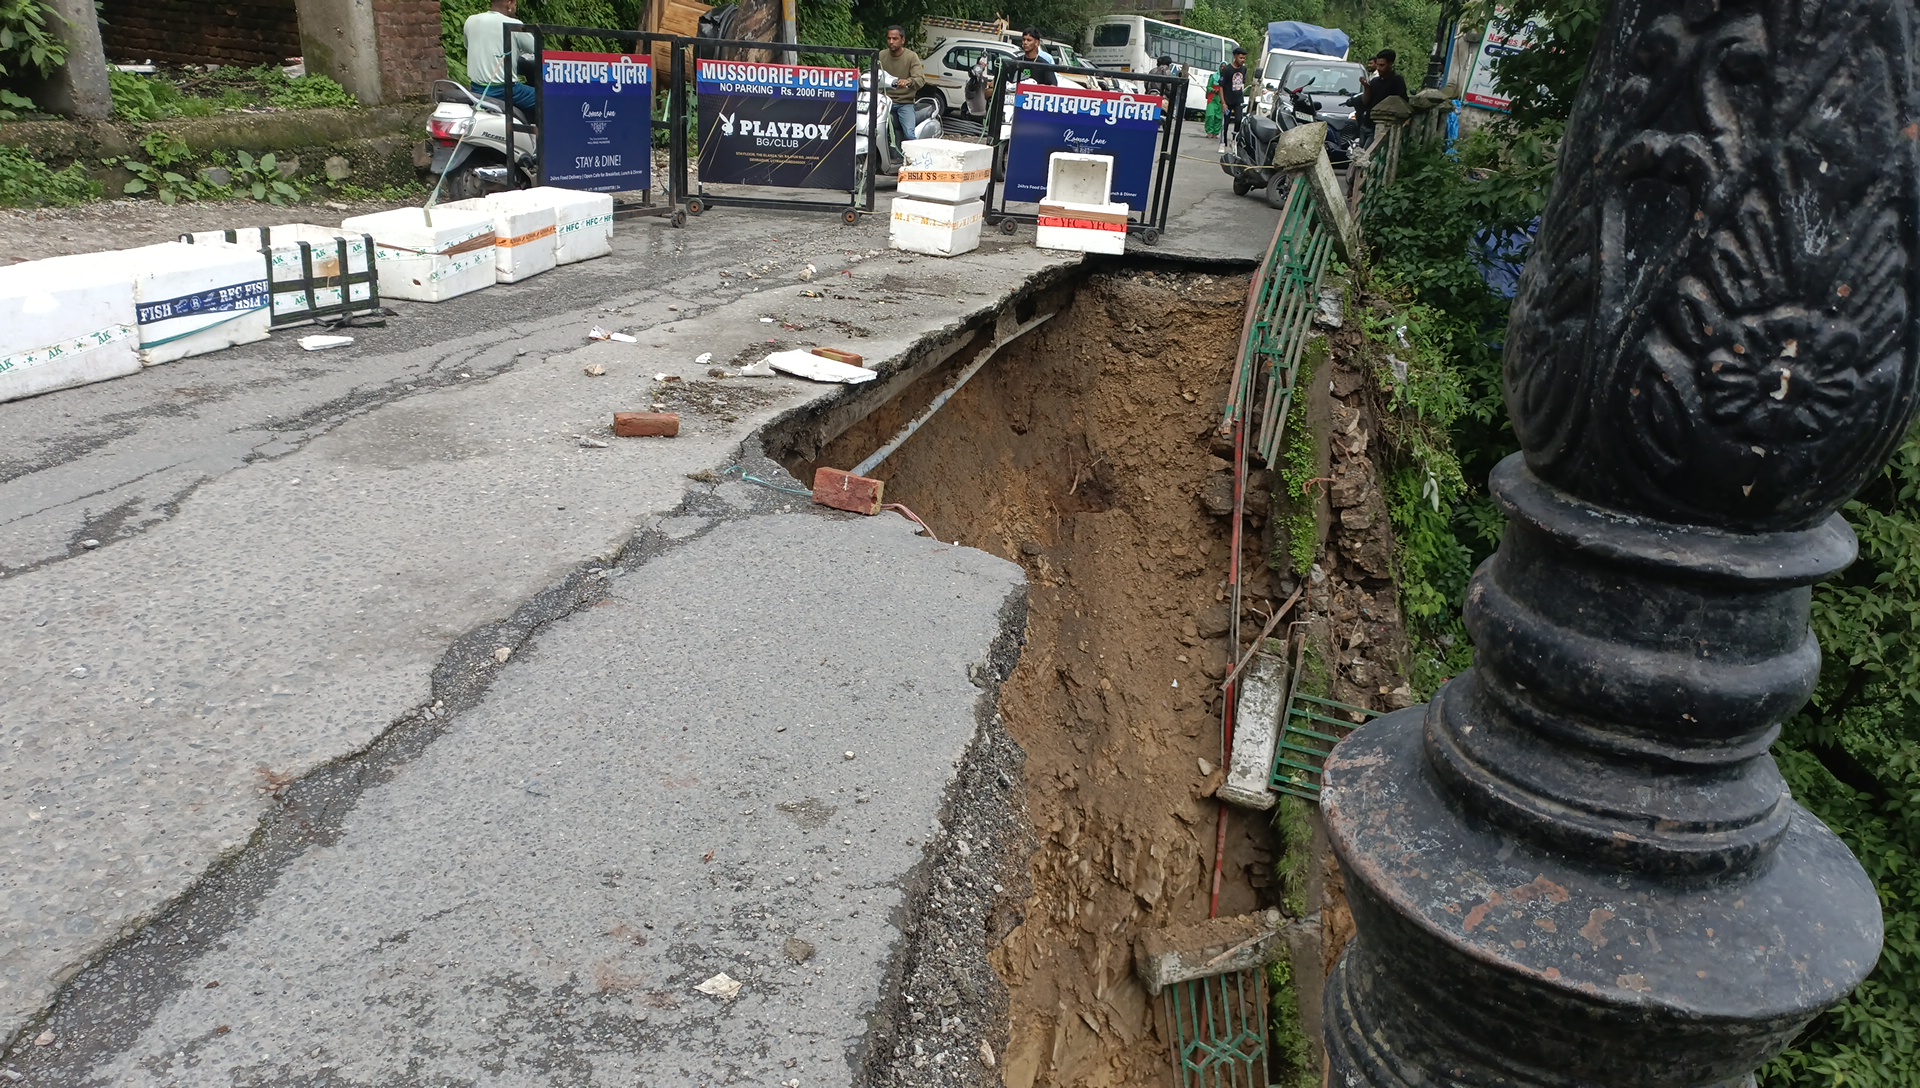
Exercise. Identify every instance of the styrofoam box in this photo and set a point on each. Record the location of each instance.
(1079, 179)
(61, 326)
(523, 235)
(429, 254)
(187, 299)
(945, 170)
(287, 273)
(1088, 228)
(934, 227)
(583, 222)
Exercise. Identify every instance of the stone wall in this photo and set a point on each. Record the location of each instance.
(244, 32)
(411, 56)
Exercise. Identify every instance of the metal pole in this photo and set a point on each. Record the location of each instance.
(1579, 865)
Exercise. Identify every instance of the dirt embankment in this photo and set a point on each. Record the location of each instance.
(1082, 453)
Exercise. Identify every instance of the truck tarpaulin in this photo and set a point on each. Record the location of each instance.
(1307, 38)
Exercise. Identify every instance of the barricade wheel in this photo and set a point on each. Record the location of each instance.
(695, 206)
(1008, 226)
(1151, 236)
(850, 217)
(679, 219)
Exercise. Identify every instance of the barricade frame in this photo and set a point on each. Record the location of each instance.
(859, 198)
(337, 314)
(673, 125)
(1153, 220)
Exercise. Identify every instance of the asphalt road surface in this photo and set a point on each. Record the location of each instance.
(374, 717)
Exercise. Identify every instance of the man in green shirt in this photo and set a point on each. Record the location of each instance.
(909, 75)
(489, 70)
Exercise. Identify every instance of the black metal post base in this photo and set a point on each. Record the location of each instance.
(1578, 865)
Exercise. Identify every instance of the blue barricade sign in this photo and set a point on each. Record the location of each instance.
(783, 125)
(1083, 122)
(596, 122)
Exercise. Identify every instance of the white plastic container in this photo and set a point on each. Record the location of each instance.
(188, 299)
(949, 171)
(320, 281)
(64, 325)
(935, 228)
(583, 222)
(523, 235)
(1079, 179)
(429, 254)
(1086, 228)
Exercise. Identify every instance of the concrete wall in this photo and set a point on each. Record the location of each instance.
(337, 39)
(244, 32)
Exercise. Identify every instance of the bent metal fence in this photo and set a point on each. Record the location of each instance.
(1216, 1020)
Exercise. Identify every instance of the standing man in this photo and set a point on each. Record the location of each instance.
(909, 75)
(1386, 83)
(1233, 94)
(489, 71)
(1164, 67)
(1030, 49)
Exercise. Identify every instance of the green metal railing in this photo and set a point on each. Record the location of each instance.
(1308, 732)
(1219, 1030)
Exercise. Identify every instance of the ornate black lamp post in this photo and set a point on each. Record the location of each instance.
(1579, 865)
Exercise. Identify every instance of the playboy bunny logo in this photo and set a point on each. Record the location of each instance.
(726, 124)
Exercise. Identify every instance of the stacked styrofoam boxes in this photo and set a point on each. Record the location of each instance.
(937, 206)
(289, 274)
(523, 235)
(188, 299)
(429, 254)
(583, 222)
(64, 325)
(1077, 213)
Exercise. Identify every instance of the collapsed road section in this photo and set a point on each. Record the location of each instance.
(1081, 451)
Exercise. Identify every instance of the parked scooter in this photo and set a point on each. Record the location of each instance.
(1345, 135)
(1249, 161)
(888, 156)
(470, 143)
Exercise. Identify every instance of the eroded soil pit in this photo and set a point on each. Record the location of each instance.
(1081, 452)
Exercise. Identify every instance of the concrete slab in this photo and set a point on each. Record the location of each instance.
(698, 774)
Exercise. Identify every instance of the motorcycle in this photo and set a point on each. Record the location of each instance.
(469, 134)
(887, 153)
(1249, 162)
(1345, 135)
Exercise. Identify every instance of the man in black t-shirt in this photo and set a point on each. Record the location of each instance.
(1386, 83)
(1233, 94)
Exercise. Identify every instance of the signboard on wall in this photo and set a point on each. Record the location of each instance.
(1084, 122)
(784, 125)
(1495, 44)
(596, 122)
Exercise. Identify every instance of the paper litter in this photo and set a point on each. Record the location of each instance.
(805, 364)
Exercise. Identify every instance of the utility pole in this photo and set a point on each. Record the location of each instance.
(1443, 36)
(1579, 864)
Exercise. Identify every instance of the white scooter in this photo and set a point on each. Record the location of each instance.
(926, 126)
(470, 143)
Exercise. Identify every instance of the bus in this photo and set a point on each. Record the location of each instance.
(1135, 43)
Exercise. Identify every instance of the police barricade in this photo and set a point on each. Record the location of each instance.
(782, 126)
(1135, 118)
(594, 125)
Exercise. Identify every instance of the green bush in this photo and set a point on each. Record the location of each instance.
(310, 92)
(26, 182)
(28, 50)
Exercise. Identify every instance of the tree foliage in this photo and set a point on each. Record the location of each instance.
(1405, 26)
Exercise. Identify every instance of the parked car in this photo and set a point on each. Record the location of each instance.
(949, 62)
(1327, 84)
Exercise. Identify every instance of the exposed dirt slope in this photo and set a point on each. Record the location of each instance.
(1082, 453)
